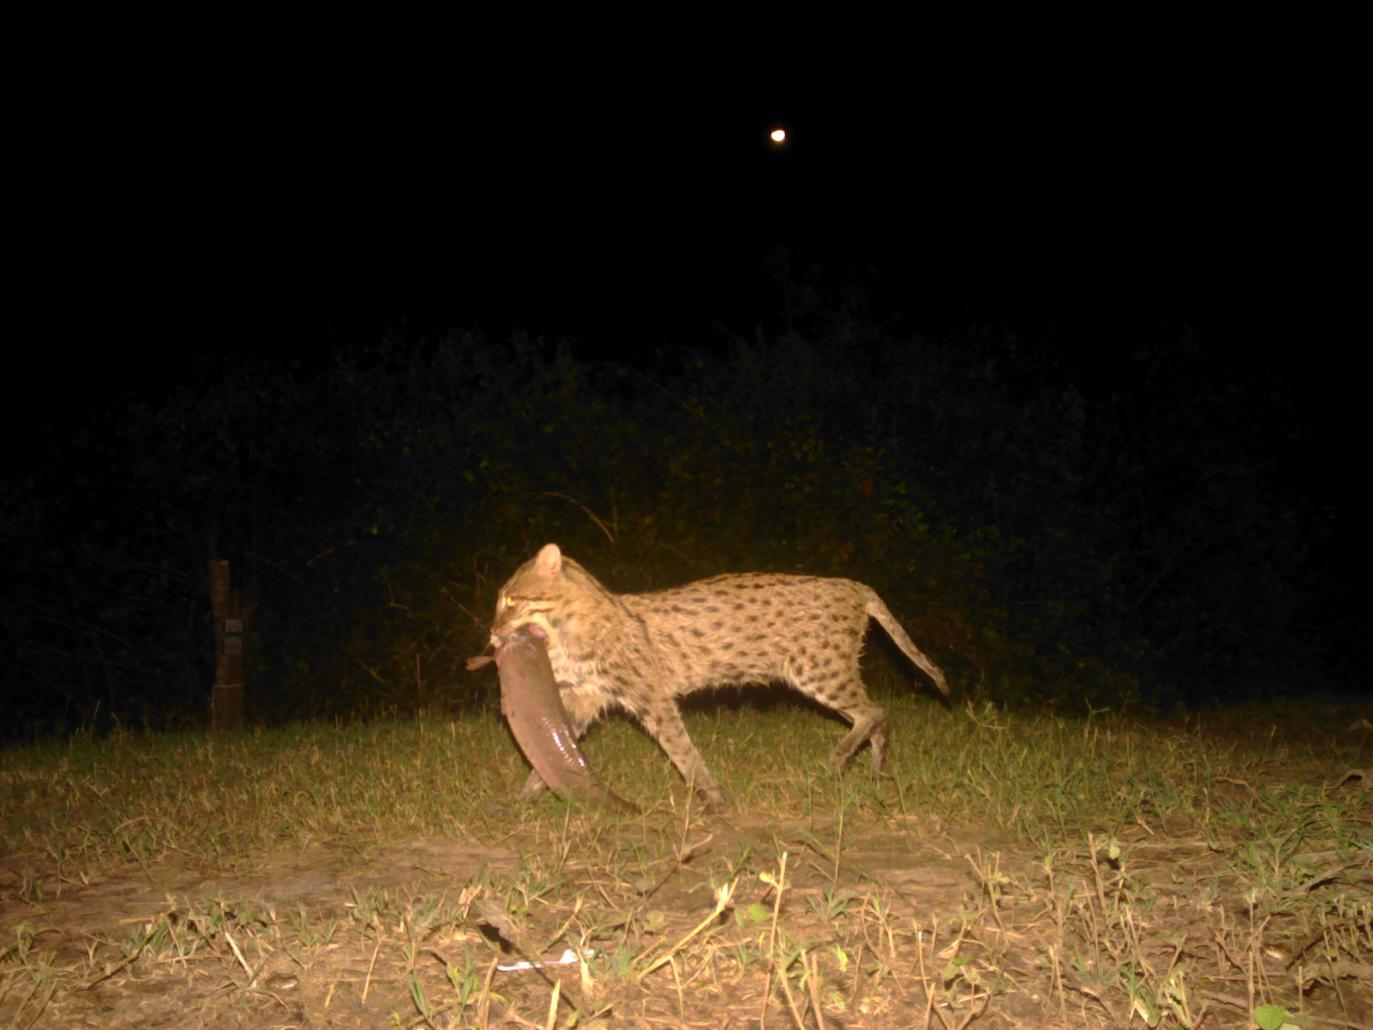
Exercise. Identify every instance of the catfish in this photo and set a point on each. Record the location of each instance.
(533, 707)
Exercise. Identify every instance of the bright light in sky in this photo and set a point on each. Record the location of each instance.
(778, 136)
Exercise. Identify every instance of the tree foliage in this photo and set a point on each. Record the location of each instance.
(1045, 530)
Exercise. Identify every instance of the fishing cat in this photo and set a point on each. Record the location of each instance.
(643, 651)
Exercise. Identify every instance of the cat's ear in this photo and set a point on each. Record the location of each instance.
(549, 561)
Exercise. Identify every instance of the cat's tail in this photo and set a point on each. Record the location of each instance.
(879, 611)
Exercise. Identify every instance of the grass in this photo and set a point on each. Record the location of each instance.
(1011, 870)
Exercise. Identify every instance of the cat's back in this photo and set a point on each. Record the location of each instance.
(754, 626)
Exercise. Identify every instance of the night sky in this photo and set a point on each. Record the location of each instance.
(295, 219)
(960, 187)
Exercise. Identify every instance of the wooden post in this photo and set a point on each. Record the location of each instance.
(226, 702)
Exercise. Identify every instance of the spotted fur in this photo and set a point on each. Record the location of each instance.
(643, 651)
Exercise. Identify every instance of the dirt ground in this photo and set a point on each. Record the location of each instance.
(351, 981)
(909, 926)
